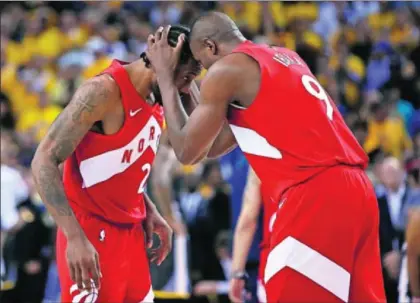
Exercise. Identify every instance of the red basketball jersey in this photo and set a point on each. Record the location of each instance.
(106, 175)
(292, 130)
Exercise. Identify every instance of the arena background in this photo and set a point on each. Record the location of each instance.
(366, 54)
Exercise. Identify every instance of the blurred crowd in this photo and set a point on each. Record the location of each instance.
(366, 54)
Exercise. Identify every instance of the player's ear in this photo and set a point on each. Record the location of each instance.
(211, 46)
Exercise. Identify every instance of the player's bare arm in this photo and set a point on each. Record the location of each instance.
(90, 103)
(161, 182)
(225, 141)
(192, 138)
(245, 231)
(413, 253)
(155, 224)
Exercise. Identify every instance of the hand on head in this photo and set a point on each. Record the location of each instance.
(163, 57)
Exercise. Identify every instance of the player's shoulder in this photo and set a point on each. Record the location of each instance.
(232, 68)
(231, 64)
(101, 89)
(103, 83)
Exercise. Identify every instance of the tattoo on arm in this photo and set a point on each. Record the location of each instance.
(87, 107)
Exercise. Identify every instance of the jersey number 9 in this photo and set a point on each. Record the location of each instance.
(315, 89)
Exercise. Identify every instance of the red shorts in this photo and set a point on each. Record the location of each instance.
(324, 244)
(123, 262)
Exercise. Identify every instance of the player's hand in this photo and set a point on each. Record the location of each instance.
(237, 291)
(155, 224)
(392, 264)
(83, 263)
(163, 58)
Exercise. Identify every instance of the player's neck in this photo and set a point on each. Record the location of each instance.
(140, 76)
(231, 45)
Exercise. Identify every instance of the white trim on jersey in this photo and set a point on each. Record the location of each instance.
(150, 297)
(104, 166)
(253, 143)
(261, 293)
(310, 263)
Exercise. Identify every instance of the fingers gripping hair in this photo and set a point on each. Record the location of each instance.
(173, 35)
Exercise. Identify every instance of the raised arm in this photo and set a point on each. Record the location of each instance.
(192, 139)
(90, 103)
(225, 141)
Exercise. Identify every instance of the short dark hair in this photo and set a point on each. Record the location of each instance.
(173, 35)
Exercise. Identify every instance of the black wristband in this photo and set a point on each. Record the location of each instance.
(240, 275)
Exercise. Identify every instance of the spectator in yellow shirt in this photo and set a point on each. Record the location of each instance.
(73, 35)
(37, 120)
(387, 133)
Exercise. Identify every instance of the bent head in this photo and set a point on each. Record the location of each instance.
(213, 36)
(188, 68)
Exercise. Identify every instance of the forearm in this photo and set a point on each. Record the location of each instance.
(150, 206)
(189, 103)
(175, 115)
(224, 141)
(163, 199)
(243, 237)
(47, 178)
(413, 263)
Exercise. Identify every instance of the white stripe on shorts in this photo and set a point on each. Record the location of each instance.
(310, 263)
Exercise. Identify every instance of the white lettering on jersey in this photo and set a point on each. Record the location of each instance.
(286, 60)
(146, 168)
(309, 83)
(104, 166)
(253, 143)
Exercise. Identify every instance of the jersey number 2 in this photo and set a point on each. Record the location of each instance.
(310, 83)
(146, 168)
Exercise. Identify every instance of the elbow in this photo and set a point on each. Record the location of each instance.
(36, 163)
(187, 158)
(40, 159)
(213, 154)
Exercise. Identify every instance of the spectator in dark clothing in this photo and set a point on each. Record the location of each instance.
(31, 247)
(218, 287)
(393, 219)
(6, 115)
(207, 212)
(362, 47)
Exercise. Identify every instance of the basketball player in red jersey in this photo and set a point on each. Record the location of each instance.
(107, 138)
(324, 244)
(253, 202)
